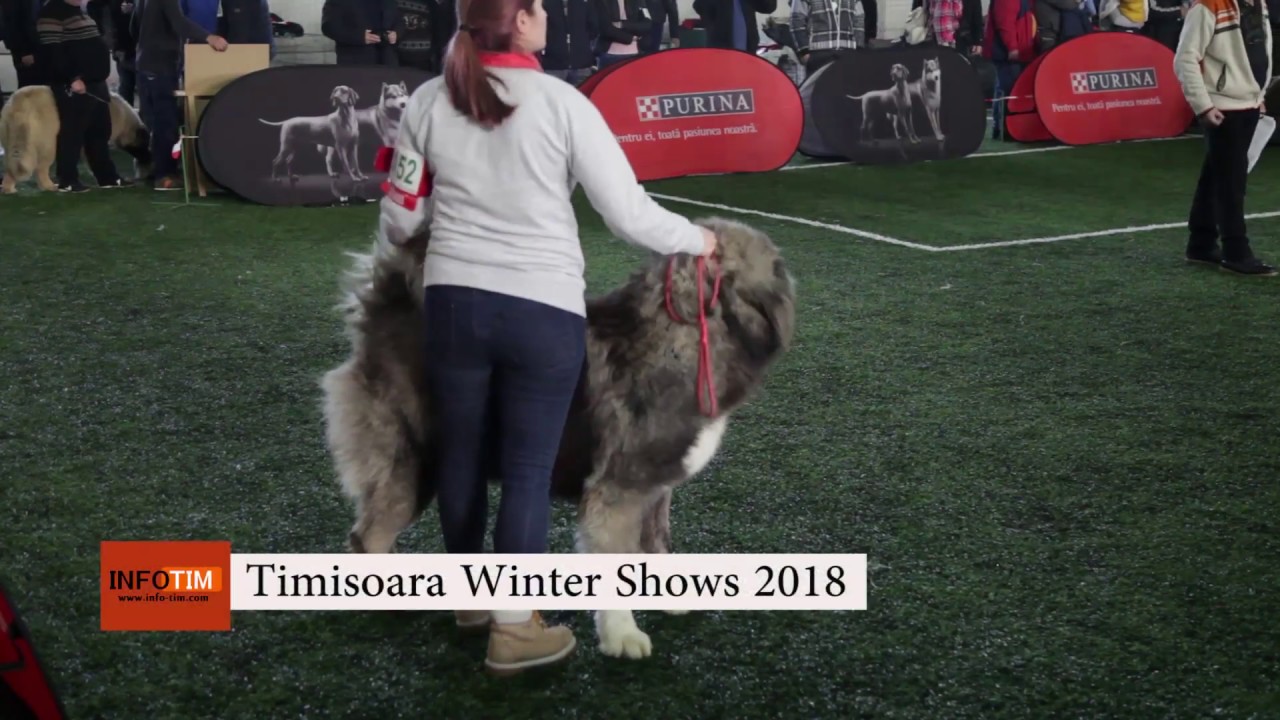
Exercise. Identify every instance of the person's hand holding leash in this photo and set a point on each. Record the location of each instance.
(391, 37)
(28, 60)
(371, 38)
(77, 86)
(708, 242)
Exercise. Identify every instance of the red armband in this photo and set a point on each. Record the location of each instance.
(407, 176)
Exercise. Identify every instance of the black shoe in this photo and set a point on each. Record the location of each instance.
(117, 183)
(1208, 256)
(75, 187)
(1251, 266)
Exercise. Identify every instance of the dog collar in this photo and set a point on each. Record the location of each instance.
(510, 60)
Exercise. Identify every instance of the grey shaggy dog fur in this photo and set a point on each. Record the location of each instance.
(635, 430)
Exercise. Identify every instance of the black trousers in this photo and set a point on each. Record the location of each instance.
(1218, 208)
(84, 126)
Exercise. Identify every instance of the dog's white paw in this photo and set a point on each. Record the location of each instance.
(632, 643)
(620, 636)
(676, 612)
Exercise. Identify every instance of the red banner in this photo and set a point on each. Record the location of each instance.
(1110, 86)
(700, 111)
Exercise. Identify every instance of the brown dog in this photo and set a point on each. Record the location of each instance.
(29, 127)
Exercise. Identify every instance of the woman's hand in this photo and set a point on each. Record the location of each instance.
(708, 242)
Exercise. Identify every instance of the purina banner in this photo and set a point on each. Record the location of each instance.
(195, 585)
(1109, 87)
(700, 111)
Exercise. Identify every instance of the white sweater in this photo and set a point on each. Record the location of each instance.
(500, 213)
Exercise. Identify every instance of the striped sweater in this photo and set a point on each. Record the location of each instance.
(71, 47)
(1223, 59)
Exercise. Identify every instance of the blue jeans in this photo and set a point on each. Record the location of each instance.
(501, 372)
(1006, 75)
(607, 59)
(573, 76)
(158, 106)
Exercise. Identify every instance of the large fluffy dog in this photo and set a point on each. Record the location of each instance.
(29, 127)
(338, 130)
(635, 431)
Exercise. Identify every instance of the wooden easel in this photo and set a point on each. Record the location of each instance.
(205, 72)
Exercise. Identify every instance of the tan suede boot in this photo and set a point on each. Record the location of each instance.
(472, 621)
(514, 647)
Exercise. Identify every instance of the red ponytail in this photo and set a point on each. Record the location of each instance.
(486, 25)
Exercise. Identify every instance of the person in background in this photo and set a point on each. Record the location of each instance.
(201, 12)
(1058, 21)
(962, 27)
(417, 46)
(124, 48)
(662, 14)
(503, 304)
(1123, 15)
(572, 26)
(77, 64)
(162, 30)
(21, 38)
(826, 29)
(247, 22)
(1009, 42)
(1223, 63)
(1164, 21)
(622, 23)
(365, 31)
(732, 24)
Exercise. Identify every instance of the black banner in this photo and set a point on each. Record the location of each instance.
(305, 134)
(894, 105)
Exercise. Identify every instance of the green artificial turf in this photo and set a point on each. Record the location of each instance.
(1061, 459)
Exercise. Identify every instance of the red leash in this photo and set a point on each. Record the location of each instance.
(707, 401)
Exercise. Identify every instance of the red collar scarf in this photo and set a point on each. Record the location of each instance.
(509, 60)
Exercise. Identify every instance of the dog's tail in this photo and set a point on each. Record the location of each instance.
(273, 124)
(14, 137)
(857, 97)
(385, 281)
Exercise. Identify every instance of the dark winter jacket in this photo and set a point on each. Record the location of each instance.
(1058, 21)
(634, 26)
(572, 26)
(422, 45)
(345, 21)
(20, 26)
(717, 17)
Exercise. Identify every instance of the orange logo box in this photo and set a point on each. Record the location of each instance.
(161, 585)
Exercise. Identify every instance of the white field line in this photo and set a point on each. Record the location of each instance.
(798, 220)
(947, 248)
(1003, 153)
(1083, 235)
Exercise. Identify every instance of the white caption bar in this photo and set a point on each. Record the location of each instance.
(549, 582)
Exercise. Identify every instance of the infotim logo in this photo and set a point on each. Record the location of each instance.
(699, 104)
(160, 585)
(1085, 83)
(168, 580)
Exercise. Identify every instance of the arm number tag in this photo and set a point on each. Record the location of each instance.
(406, 172)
